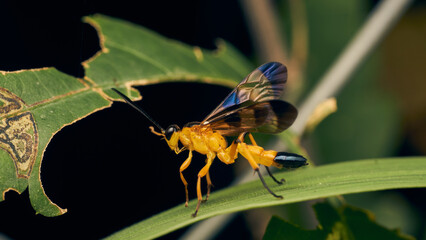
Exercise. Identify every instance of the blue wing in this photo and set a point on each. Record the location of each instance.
(266, 83)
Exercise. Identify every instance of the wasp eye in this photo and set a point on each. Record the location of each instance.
(170, 130)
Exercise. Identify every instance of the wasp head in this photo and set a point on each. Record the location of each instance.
(172, 137)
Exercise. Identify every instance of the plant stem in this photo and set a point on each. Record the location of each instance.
(384, 16)
(263, 25)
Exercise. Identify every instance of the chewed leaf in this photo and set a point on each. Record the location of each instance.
(19, 136)
(32, 110)
(132, 55)
(36, 104)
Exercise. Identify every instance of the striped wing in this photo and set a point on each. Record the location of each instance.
(266, 83)
(267, 117)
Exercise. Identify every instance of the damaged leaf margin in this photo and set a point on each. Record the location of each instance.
(35, 104)
(32, 111)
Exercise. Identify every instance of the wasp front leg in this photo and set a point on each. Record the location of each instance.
(203, 172)
(184, 166)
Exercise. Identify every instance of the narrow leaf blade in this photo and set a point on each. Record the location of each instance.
(301, 185)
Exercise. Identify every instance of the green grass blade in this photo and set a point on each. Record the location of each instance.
(303, 184)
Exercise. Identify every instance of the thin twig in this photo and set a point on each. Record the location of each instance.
(268, 43)
(299, 48)
(269, 39)
(386, 13)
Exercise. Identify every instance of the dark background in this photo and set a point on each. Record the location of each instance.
(103, 168)
(107, 169)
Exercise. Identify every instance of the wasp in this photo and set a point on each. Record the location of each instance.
(253, 106)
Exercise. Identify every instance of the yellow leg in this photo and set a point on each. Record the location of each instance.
(244, 150)
(203, 172)
(185, 165)
(240, 138)
(267, 168)
(209, 185)
(233, 150)
(252, 140)
(228, 155)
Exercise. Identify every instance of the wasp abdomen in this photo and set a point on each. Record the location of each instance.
(290, 160)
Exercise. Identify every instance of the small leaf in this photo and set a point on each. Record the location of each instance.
(281, 229)
(344, 222)
(301, 185)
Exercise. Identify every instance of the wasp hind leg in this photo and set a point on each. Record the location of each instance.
(267, 168)
(244, 150)
(272, 176)
(266, 186)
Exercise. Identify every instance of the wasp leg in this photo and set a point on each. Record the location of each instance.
(252, 139)
(233, 150)
(267, 168)
(229, 154)
(209, 185)
(185, 165)
(243, 150)
(272, 176)
(266, 186)
(203, 172)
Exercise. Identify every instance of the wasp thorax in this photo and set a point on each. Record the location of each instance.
(170, 130)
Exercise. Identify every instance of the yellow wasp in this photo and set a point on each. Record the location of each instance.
(253, 106)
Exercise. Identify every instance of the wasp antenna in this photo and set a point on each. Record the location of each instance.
(131, 103)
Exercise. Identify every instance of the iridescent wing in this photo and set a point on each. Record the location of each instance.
(266, 83)
(266, 117)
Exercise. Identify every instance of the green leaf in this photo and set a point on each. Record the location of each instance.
(343, 222)
(36, 104)
(280, 229)
(132, 55)
(301, 185)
